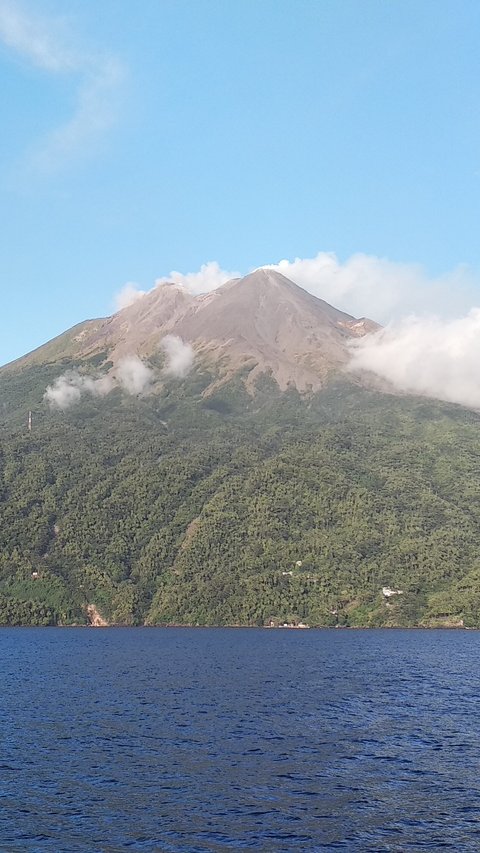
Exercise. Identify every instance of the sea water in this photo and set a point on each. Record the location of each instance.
(230, 739)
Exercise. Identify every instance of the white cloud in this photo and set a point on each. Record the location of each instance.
(63, 392)
(368, 286)
(363, 285)
(96, 112)
(209, 277)
(68, 389)
(48, 44)
(129, 294)
(180, 356)
(432, 357)
(133, 375)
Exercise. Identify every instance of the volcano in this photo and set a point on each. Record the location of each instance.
(260, 324)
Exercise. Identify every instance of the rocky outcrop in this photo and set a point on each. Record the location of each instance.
(95, 620)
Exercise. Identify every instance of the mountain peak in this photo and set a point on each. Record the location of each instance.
(261, 323)
(267, 323)
(261, 279)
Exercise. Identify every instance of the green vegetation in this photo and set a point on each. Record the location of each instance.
(237, 510)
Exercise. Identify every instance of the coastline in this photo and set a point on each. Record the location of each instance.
(187, 626)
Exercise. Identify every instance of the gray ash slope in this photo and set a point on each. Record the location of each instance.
(262, 323)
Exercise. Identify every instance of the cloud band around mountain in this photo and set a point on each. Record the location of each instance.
(363, 285)
(431, 357)
(434, 351)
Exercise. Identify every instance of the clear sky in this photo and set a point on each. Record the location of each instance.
(143, 138)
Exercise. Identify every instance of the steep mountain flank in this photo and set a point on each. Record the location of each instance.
(227, 495)
(262, 323)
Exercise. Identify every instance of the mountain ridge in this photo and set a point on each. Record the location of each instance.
(263, 322)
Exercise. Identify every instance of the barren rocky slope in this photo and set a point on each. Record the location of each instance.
(262, 323)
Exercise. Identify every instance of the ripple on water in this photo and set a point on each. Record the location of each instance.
(184, 740)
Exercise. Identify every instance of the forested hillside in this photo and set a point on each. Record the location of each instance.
(236, 509)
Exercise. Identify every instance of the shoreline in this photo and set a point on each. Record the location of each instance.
(250, 627)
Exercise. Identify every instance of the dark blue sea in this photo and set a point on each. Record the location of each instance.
(224, 739)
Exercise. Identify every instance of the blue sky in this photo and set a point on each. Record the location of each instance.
(143, 138)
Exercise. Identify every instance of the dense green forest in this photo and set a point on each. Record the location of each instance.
(237, 510)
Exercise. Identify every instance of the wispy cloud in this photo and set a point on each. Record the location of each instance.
(131, 374)
(179, 355)
(209, 277)
(67, 389)
(50, 45)
(129, 293)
